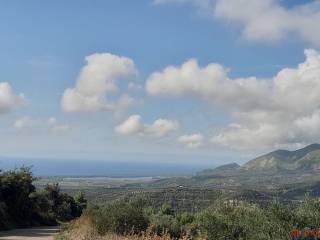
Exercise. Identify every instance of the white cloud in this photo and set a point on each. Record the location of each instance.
(35, 125)
(269, 21)
(266, 112)
(122, 104)
(192, 141)
(8, 100)
(210, 83)
(161, 127)
(264, 20)
(131, 126)
(96, 79)
(135, 127)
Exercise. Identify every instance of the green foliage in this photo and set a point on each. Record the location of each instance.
(308, 213)
(166, 209)
(22, 205)
(63, 206)
(15, 187)
(166, 221)
(282, 218)
(186, 218)
(119, 217)
(5, 219)
(81, 200)
(163, 224)
(232, 220)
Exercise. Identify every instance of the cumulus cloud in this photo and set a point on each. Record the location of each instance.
(9, 100)
(283, 110)
(29, 124)
(124, 102)
(96, 79)
(266, 20)
(269, 21)
(135, 127)
(192, 140)
(210, 83)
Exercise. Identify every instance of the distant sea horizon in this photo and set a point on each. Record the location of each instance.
(94, 168)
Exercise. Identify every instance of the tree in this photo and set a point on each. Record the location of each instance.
(15, 188)
(80, 199)
(22, 205)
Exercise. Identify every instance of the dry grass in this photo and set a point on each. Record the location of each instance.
(80, 229)
(84, 229)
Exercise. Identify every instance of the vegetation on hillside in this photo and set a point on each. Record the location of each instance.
(307, 158)
(156, 216)
(22, 205)
(223, 220)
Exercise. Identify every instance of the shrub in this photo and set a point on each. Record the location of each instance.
(234, 221)
(166, 224)
(282, 219)
(5, 219)
(119, 217)
(308, 213)
(22, 205)
(80, 200)
(166, 209)
(166, 221)
(15, 187)
(223, 220)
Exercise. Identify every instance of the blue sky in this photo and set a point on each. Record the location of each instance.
(43, 49)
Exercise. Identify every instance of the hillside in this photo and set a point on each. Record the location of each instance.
(225, 167)
(307, 158)
(276, 173)
(288, 175)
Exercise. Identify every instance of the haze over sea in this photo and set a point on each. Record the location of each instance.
(71, 167)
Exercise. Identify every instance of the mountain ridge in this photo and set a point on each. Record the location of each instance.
(307, 158)
(225, 167)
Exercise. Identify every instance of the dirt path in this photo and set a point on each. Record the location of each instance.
(38, 233)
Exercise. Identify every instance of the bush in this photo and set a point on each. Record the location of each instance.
(166, 224)
(21, 205)
(282, 219)
(166, 221)
(234, 221)
(80, 200)
(15, 187)
(308, 213)
(223, 220)
(166, 209)
(56, 205)
(5, 219)
(119, 217)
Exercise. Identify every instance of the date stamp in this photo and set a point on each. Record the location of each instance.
(297, 234)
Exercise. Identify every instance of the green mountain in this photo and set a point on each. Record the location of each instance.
(282, 174)
(222, 168)
(307, 158)
(227, 167)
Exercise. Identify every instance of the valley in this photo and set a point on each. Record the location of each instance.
(283, 175)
